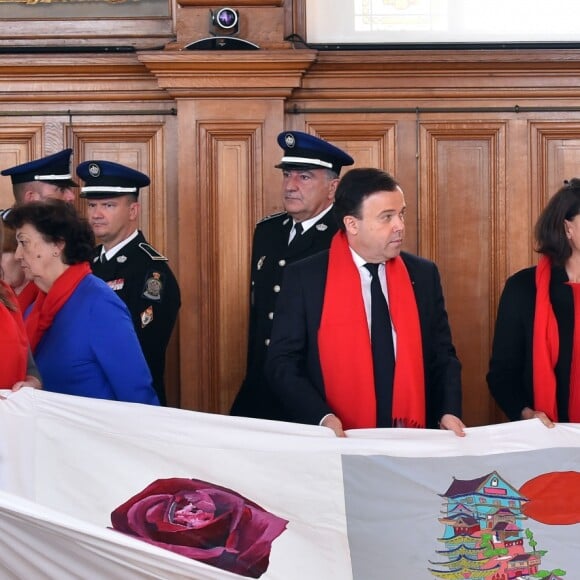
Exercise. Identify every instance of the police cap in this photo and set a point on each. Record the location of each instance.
(302, 150)
(104, 179)
(53, 169)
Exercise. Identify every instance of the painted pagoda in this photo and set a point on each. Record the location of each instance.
(483, 534)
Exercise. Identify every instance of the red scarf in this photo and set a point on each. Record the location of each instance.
(546, 346)
(47, 305)
(27, 296)
(345, 347)
(13, 342)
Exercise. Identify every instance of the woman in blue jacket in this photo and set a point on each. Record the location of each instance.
(80, 332)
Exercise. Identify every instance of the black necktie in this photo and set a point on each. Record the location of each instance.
(298, 229)
(104, 258)
(383, 350)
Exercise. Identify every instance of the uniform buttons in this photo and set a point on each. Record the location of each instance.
(271, 315)
(282, 263)
(267, 342)
(277, 288)
(253, 282)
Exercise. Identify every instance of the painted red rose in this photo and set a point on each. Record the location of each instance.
(202, 521)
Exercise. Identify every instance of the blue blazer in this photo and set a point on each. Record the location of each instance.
(293, 364)
(91, 349)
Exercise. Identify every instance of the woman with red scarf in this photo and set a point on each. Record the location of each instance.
(534, 369)
(17, 368)
(80, 332)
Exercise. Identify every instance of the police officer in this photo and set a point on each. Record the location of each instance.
(48, 177)
(38, 180)
(137, 272)
(310, 169)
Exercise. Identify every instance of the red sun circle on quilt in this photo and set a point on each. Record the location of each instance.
(553, 498)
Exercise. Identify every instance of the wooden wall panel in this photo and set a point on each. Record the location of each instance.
(555, 154)
(227, 182)
(19, 143)
(462, 228)
(478, 139)
(228, 155)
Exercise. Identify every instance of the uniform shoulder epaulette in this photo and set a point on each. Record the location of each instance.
(152, 252)
(271, 216)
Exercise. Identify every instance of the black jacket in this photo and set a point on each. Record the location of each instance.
(270, 257)
(141, 277)
(293, 364)
(510, 377)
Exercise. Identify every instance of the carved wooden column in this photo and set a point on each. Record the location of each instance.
(230, 108)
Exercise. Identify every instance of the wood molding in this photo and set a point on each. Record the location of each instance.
(56, 78)
(199, 74)
(442, 78)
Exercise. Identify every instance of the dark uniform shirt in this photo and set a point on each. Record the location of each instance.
(141, 277)
(270, 255)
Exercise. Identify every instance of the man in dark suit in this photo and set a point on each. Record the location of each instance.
(310, 168)
(136, 271)
(323, 357)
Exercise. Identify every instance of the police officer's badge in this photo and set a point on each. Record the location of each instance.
(146, 316)
(153, 287)
(94, 170)
(290, 140)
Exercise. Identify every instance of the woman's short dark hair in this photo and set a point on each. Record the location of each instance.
(57, 221)
(550, 233)
(355, 187)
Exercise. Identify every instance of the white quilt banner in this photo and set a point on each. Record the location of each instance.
(100, 489)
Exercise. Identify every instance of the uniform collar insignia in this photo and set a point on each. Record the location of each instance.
(321, 227)
(122, 259)
(285, 221)
(260, 263)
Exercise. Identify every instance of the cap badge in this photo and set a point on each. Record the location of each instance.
(290, 140)
(321, 227)
(260, 263)
(94, 170)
